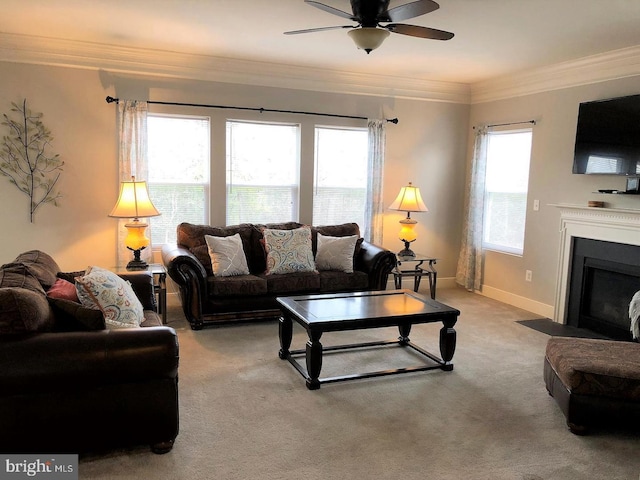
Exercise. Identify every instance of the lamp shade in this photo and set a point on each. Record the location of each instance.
(368, 38)
(409, 200)
(134, 201)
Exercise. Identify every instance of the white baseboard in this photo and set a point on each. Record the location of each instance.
(524, 303)
(447, 282)
(442, 282)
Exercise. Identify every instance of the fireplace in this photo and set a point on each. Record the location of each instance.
(604, 276)
(598, 268)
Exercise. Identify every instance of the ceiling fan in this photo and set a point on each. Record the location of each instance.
(369, 14)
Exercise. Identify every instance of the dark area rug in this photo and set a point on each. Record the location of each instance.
(548, 326)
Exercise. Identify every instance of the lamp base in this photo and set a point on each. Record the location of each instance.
(406, 252)
(137, 263)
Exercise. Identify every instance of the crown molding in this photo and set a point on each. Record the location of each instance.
(612, 65)
(137, 61)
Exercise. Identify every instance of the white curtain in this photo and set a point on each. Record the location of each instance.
(469, 272)
(374, 206)
(132, 161)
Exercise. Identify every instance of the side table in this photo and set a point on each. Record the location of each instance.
(417, 272)
(159, 274)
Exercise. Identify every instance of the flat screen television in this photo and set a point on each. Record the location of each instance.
(608, 137)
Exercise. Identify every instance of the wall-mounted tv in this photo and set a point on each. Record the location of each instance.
(608, 137)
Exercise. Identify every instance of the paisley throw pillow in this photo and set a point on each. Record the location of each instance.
(288, 251)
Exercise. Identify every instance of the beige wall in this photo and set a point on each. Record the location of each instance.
(430, 147)
(83, 128)
(551, 182)
(427, 148)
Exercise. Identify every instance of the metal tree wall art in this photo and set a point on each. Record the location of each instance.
(24, 158)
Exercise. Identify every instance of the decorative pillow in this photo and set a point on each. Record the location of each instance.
(24, 311)
(256, 255)
(72, 316)
(341, 230)
(41, 265)
(336, 253)
(64, 290)
(192, 237)
(70, 276)
(106, 291)
(227, 255)
(288, 251)
(19, 276)
(634, 315)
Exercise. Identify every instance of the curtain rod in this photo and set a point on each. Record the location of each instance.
(390, 120)
(533, 122)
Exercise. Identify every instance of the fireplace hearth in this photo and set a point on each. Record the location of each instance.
(604, 277)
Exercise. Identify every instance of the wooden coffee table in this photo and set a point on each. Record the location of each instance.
(353, 311)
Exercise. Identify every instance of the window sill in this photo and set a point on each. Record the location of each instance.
(513, 252)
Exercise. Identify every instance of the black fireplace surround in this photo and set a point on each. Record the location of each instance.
(604, 276)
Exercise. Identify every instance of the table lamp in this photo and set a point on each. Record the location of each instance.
(408, 200)
(134, 202)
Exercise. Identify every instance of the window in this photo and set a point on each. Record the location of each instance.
(600, 164)
(507, 179)
(262, 172)
(178, 151)
(340, 189)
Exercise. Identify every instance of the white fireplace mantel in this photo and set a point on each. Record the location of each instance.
(576, 221)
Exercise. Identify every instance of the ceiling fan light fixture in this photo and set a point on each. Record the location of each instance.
(368, 38)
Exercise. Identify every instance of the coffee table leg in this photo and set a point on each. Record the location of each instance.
(314, 360)
(286, 334)
(447, 343)
(404, 333)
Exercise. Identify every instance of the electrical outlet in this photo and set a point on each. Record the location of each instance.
(536, 205)
(527, 275)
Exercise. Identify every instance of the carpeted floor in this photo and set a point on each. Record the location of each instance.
(246, 414)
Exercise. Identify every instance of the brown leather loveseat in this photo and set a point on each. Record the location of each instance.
(67, 383)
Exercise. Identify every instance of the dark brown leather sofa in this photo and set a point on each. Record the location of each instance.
(66, 388)
(209, 299)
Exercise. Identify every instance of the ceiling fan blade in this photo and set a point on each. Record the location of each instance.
(331, 10)
(421, 32)
(409, 10)
(312, 30)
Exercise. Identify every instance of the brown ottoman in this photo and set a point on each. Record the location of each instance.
(594, 381)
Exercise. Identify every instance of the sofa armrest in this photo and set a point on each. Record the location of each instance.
(179, 260)
(189, 274)
(377, 262)
(142, 285)
(46, 362)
